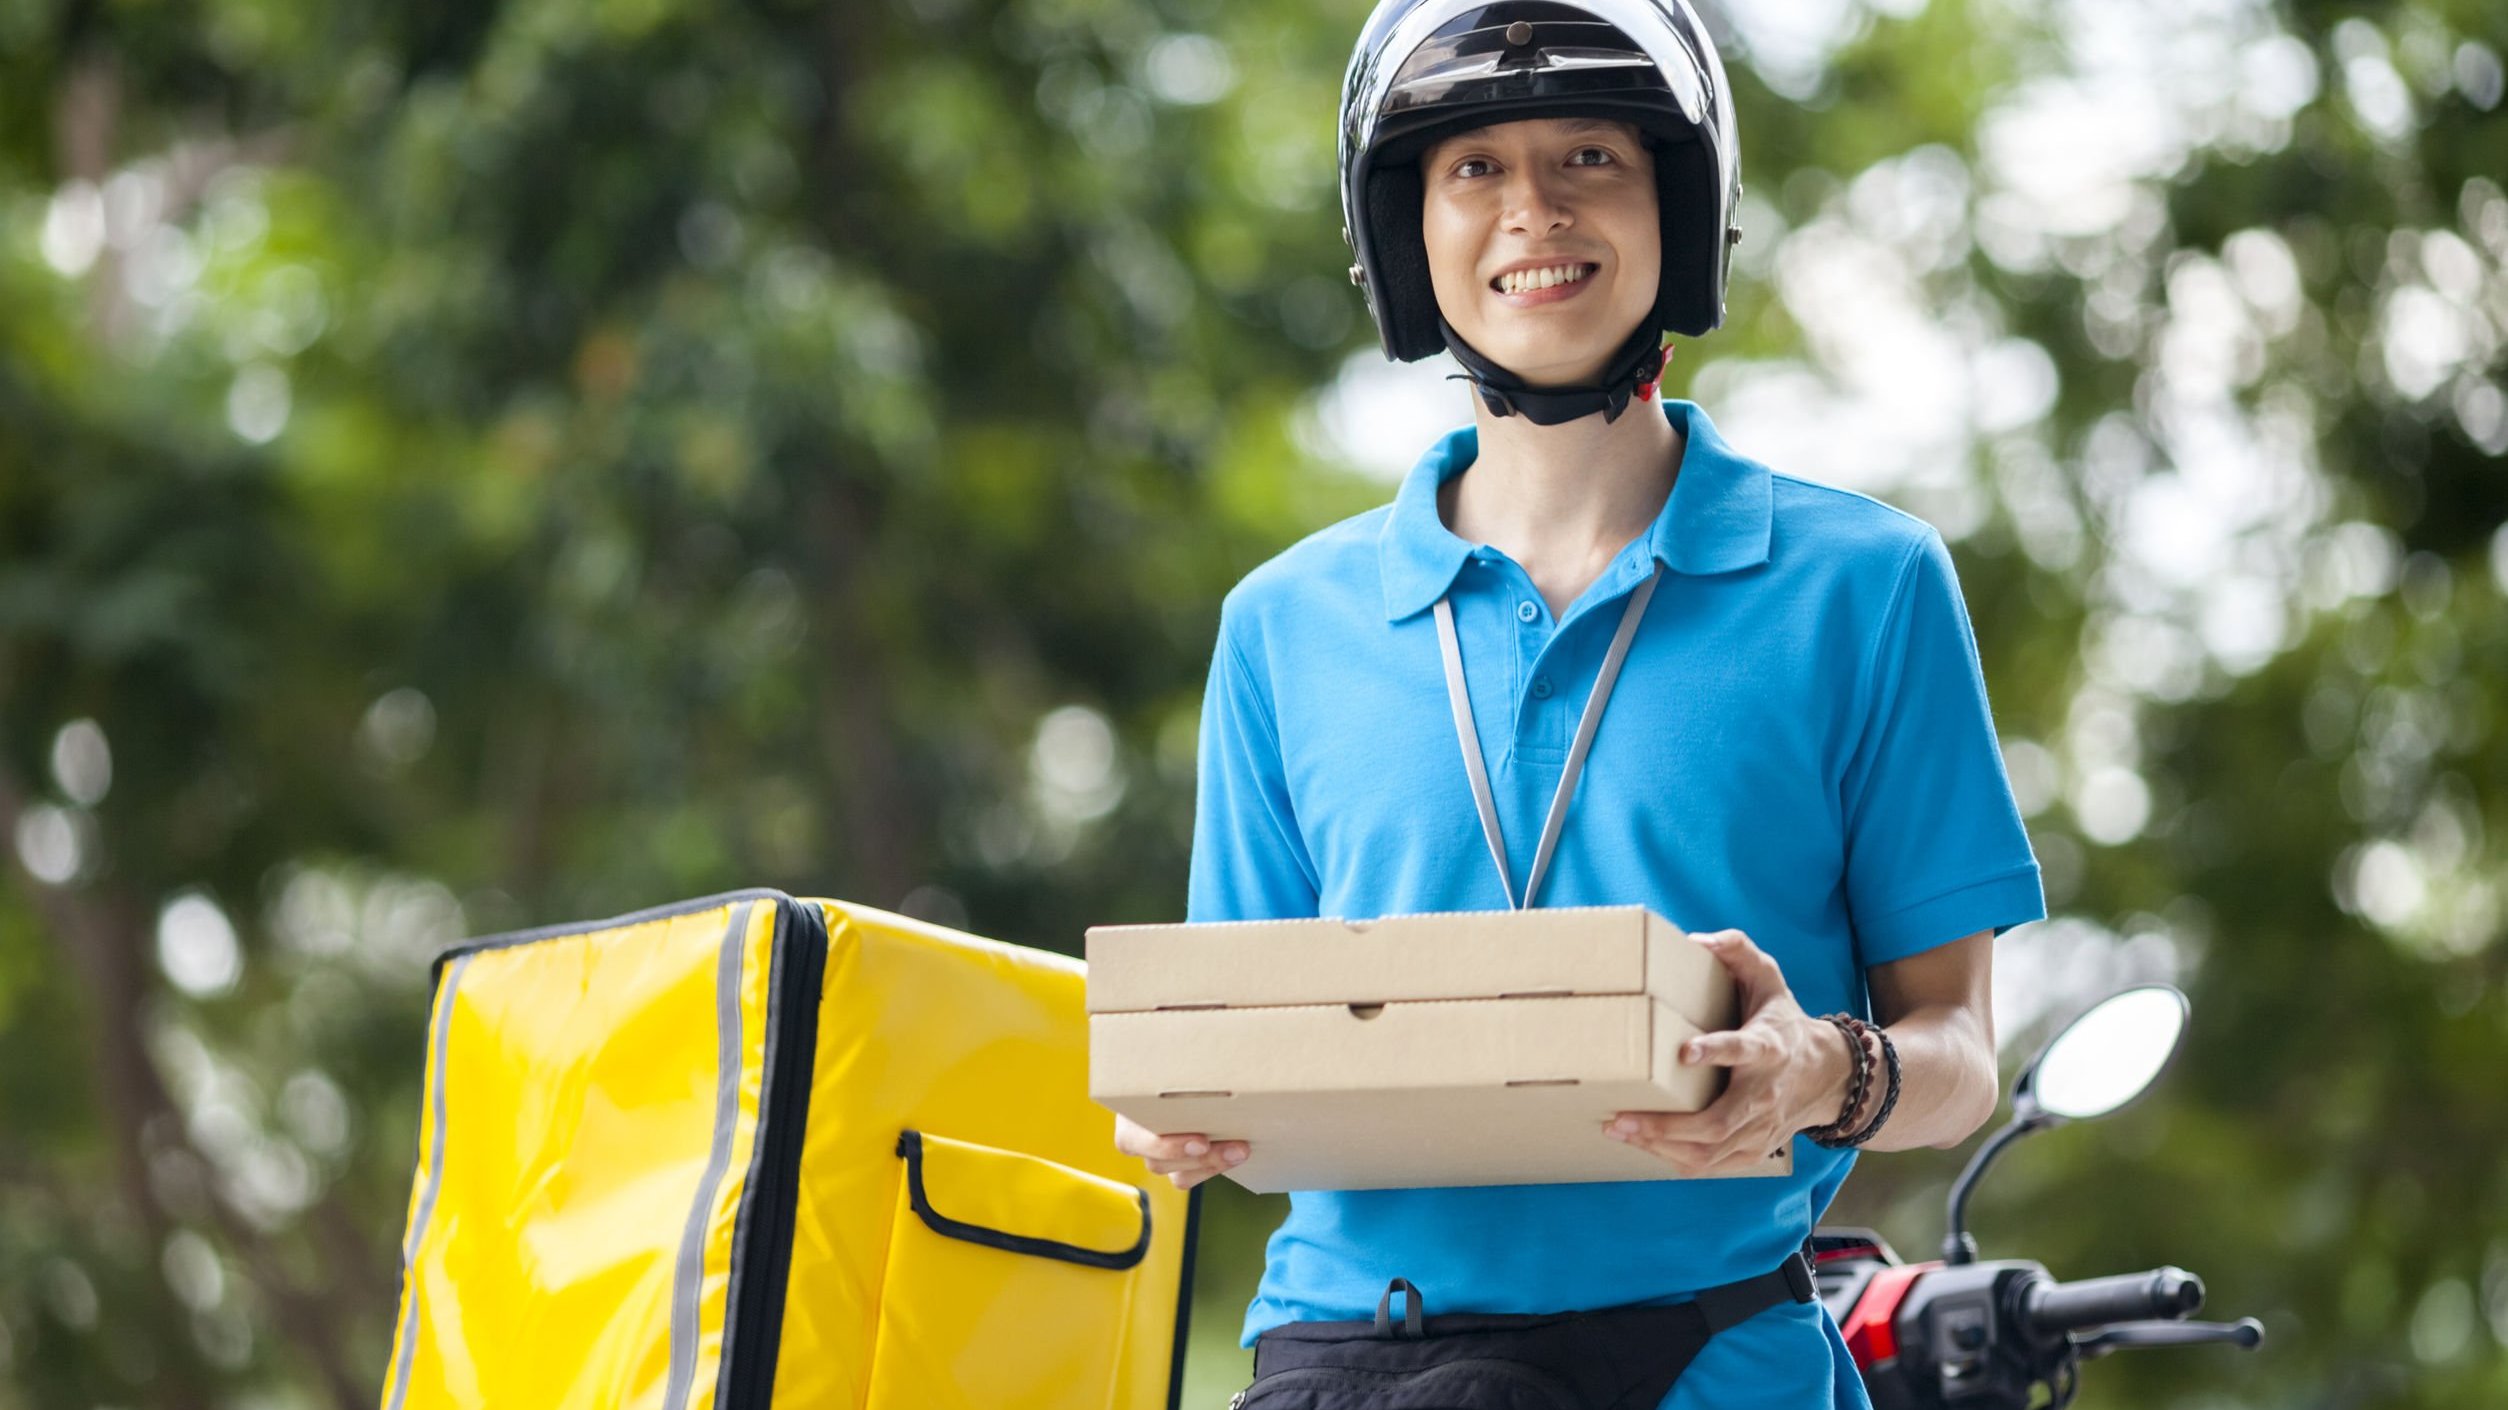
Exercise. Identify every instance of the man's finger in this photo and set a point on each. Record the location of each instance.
(1686, 1157)
(1213, 1158)
(1703, 1157)
(1649, 1127)
(1182, 1146)
(1692, 1135)
(1733, 1047)
(1714, 1126)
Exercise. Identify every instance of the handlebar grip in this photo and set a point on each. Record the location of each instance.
(2052, 1309)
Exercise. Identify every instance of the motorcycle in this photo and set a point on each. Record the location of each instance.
(1988, 1335)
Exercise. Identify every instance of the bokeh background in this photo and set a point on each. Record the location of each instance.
(472, 465)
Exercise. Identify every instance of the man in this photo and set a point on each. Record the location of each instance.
(1416, 710)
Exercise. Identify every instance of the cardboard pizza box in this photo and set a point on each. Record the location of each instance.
(1461, 1048)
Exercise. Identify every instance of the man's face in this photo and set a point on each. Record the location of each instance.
(1544, 244)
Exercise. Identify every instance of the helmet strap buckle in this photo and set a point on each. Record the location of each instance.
(1633, 372)
(1648, 381)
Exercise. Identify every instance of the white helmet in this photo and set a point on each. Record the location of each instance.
(1424, 69)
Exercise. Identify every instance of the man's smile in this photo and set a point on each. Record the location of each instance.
(1543, 284)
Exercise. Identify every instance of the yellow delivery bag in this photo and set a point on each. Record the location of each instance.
(753, 1150)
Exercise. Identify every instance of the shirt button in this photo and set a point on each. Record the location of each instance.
(1526, 611)
(1541, 687)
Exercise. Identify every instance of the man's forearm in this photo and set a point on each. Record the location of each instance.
(1947, 1081)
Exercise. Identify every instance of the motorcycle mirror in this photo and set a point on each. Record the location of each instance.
(2098, 1064)
(2105, 1058)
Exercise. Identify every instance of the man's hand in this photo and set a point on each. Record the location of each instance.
(1186, 1160)
(1789, 1072)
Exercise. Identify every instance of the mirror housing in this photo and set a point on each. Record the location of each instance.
(2098, 1064)
(2105, 1059)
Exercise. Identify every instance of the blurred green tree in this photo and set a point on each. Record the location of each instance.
(481, 465)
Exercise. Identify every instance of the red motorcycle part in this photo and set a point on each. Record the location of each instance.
(1871, 1330)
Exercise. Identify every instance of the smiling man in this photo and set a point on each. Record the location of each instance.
(1593, 655)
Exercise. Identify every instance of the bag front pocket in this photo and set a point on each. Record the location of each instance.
(1009, 1281)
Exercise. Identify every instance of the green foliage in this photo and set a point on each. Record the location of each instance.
(471, 466)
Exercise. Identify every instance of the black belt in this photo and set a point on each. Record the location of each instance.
(1735, 1303)
(1615, 1358)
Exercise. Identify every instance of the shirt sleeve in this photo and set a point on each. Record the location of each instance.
(1935, 846)
(1249, 862)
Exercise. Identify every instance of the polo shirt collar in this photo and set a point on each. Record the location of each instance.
(1716, 520)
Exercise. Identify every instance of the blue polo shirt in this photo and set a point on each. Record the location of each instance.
(1799, 747)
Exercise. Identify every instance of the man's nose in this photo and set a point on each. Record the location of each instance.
(1535, 204)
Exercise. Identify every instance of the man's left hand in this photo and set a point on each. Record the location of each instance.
(1789, 1072)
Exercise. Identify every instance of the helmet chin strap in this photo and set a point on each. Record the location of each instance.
(1632, 371)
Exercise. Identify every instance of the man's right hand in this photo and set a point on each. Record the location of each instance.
(1187, 1159)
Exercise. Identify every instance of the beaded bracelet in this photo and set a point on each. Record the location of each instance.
(1889, 1096)
(1857, 1084)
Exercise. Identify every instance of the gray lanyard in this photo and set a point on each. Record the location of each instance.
(1586, 724)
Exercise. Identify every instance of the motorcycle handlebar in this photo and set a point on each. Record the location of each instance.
(2053, 1309)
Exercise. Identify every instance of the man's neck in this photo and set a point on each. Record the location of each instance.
(1563, 500)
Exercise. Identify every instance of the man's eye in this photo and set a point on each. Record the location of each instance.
(1602, 156)
(1464, 167)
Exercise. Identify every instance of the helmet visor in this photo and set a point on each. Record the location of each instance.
(1484, 59)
